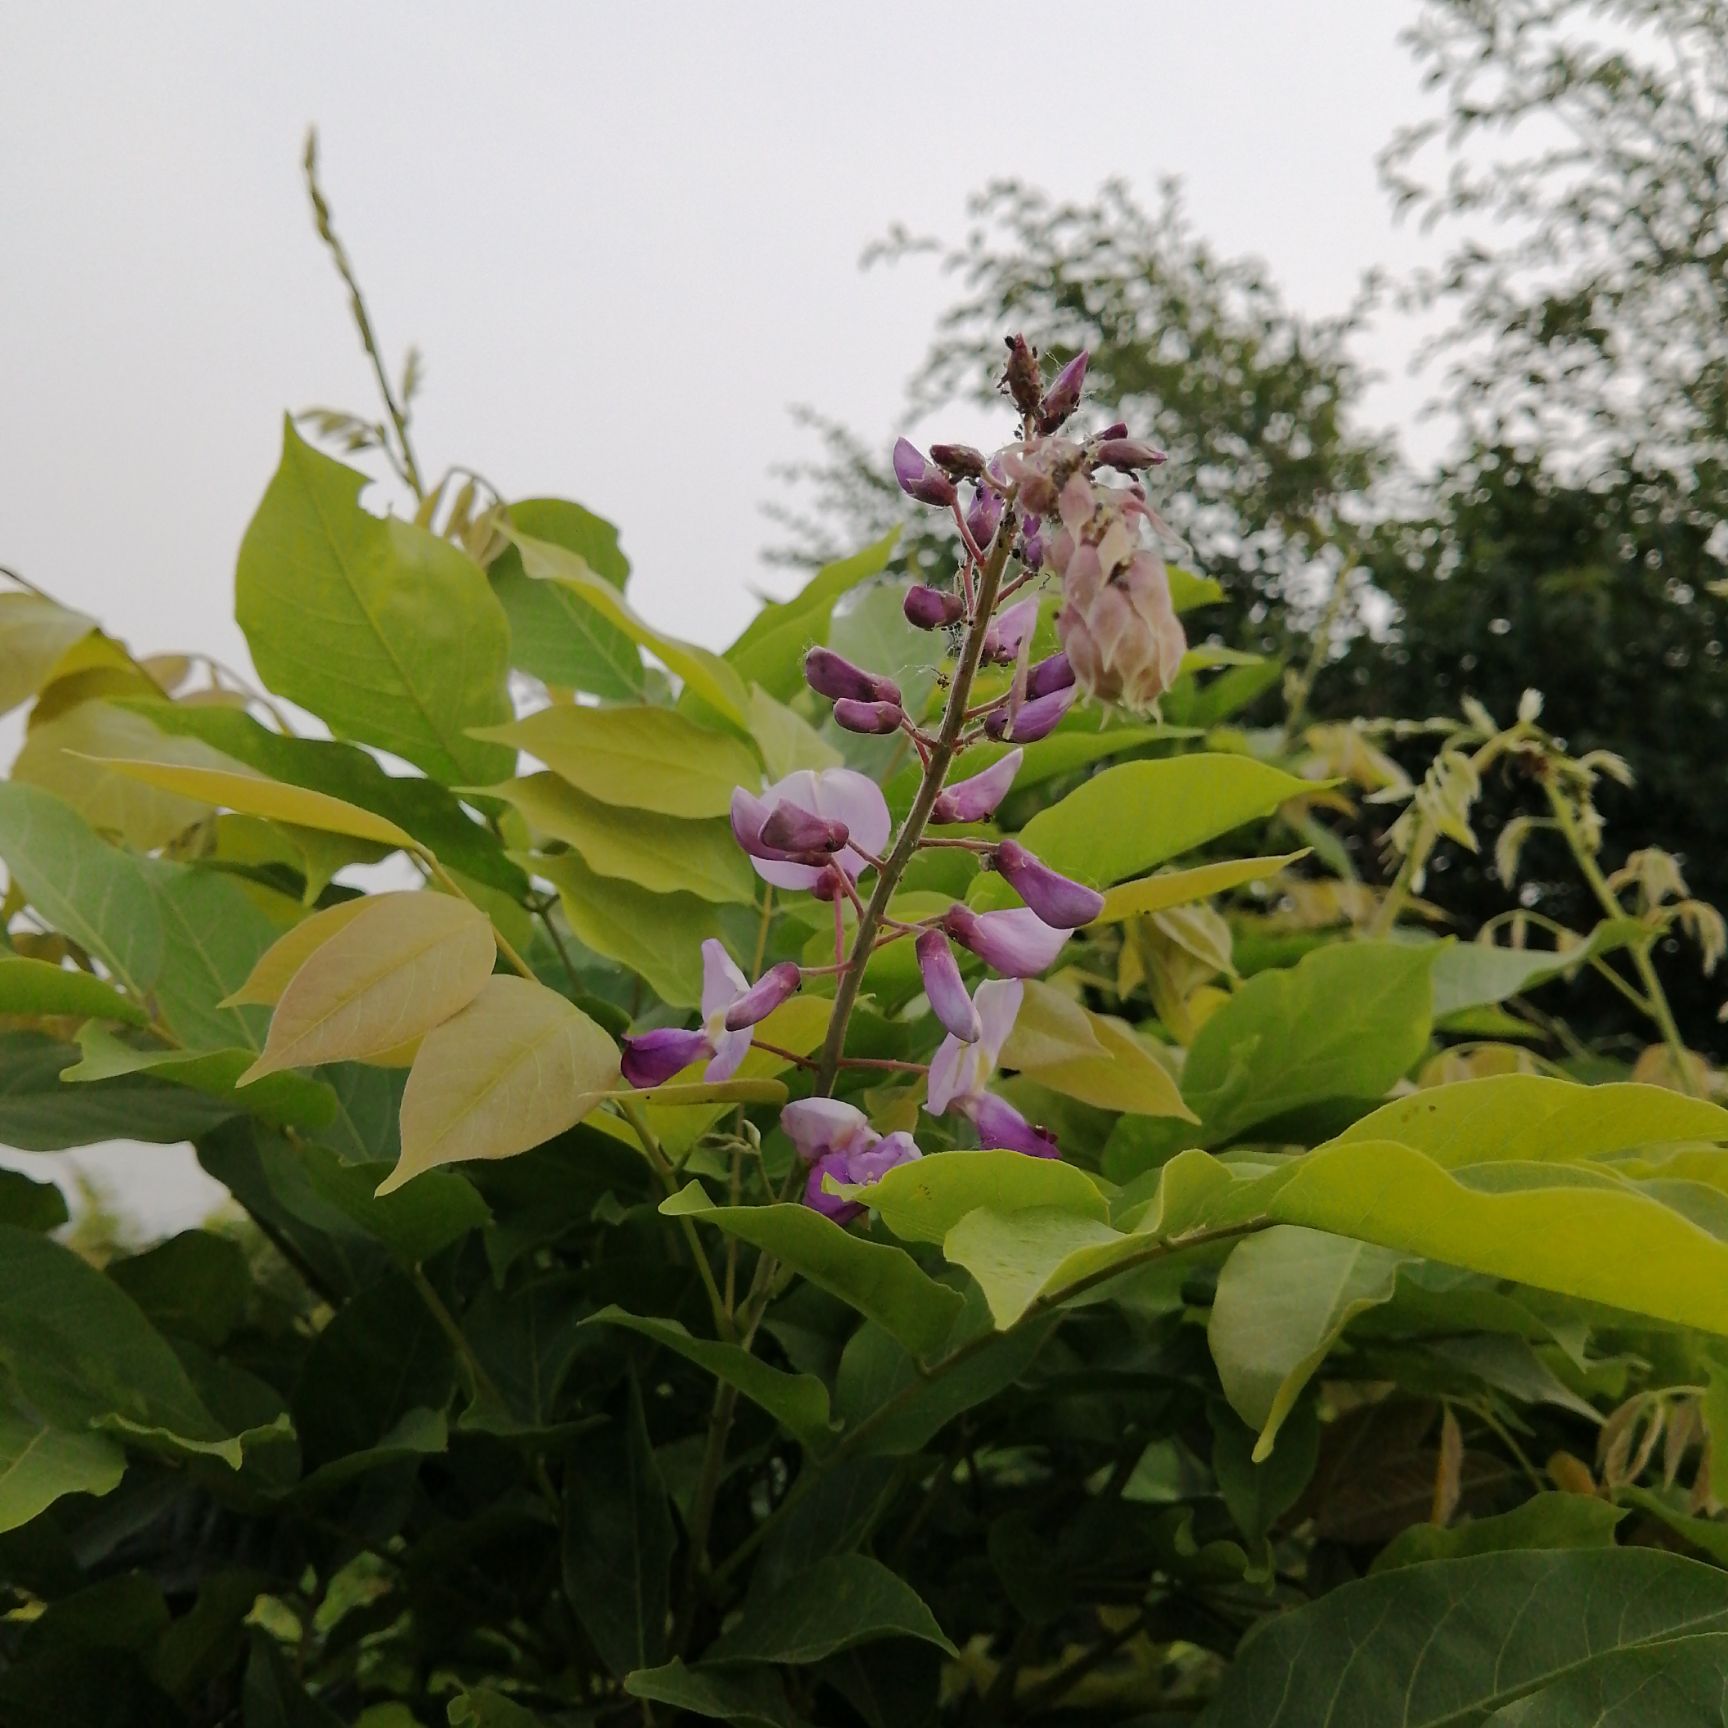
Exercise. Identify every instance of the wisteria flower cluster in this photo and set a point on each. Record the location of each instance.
(1037, 518)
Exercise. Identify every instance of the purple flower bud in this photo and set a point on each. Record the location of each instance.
(651, 1058)
(1049, 676)
(1032, 544)
(1020, 377)
(999, 1124)
(931, 608)
(1017, 943)
(1116, 429)
(1056, 899)
(829, 885)
(1034, 721)
(1063, 397)
(961, 461)
(833, 675)
(791, 829)
(1127, 454)
(870, 718)
(982, 515)
(1002, 640)
(764, 996)
(945, 987)
(919, 478)
(975, 800)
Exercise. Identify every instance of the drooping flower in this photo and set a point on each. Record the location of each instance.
(945, 987)
(983, 514)
(919, 477)
(961, 1072)
(873, 719)
(834, 676)
(831, 795)
(932, 608)
(1031, 720)
(1057, 899)
(775, 986)
(1120, 630)
(1015, 942)
(975, 800)
(652, 1058)
(1048, 676)
(835, 1139)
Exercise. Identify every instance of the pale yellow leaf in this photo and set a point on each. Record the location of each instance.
(285, 956)
(402, 966)
(518, 1065)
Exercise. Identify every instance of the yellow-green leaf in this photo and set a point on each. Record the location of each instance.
(394, 971)
(1183, 887)
(39, 987)
(284, 957)
(35, 633)
(1110, 1070)
(638, 758)
(705, 674)
(515, 1067)
(663, 854)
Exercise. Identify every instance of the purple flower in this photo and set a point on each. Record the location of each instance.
(836, 795)
(931, 608)
(765, 995)
(837, 1141)
(874, 719)
(960, 461)
(1063, 396)
(834, 676)
(982, 515)
(1003, 639)
(961, 1067)
(652, 1058)
(1056, 899)
(1032, 544)
(999, 1124)
(1127, 454)
(785, 831)
(1016, 942)
(919, 478)
(1035, 720)
(1116, 429)
(945, 987)
(975, 800)
(1049, 676)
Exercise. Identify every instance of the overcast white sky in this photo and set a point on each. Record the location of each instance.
(625, 238)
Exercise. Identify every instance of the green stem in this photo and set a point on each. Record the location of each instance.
(668, 1179)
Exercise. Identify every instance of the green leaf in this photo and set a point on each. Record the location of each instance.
(1545, 1521)
(1472, 974)
(1283, 1301)
(884, 1283)
(1095, 1058)
(37, 987)
(1444, 1645)
(195, 1285)
(749, 1697)
(1183, 887)
(636, 758)
(786, 740)
(1345, 1022)
(923, 1201)
(658, 936)
(618, 1543)
(554, 636)
(1128, 819)
(1014, 1256)
(1677, 1683)
(771, 650)
(704, 674)
(29, 1204)
(798, 1401)
(387, 976)
(35, 633)
(839, 1602)
(414, 1223)
(518, 1065)
(39, 1463)
(662, 854)
(379, 627)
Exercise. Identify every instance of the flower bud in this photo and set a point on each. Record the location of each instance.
(999, 1124)
(652, 1058)
(1032, 544)
(1120, 630)
(1002, 640)
(975, 800)
(764, 996)
(790, 829)
(961, 461)
(1060, 902)
(1035, 720)
(1020, 377)
(982, 515)
(919, 478)
(834, 676)
(949, 1000)
(871, 718)
(1049, 676)
(931, 608)
(1017, 943)
(1127, 454)
(1116, 429)
(1063, 397)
